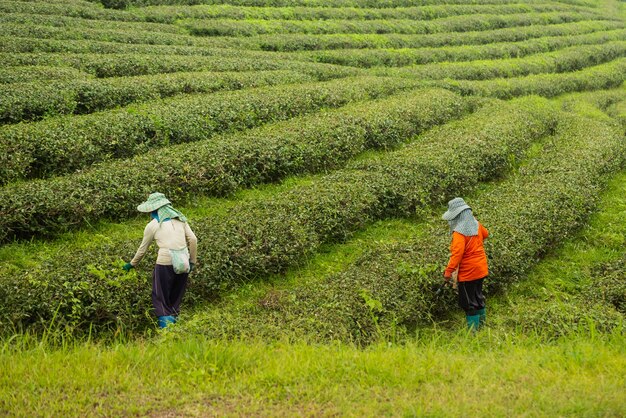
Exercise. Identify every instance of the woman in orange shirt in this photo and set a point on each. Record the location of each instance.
(469, 259)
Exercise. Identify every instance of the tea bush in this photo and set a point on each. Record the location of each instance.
(565, 60)
(170, 14)
(32, 101)
(300, 42)
(260, 237)
(225, 27)
(404, 57)
(35, 73)
(309, 144)
(541, 205)
(603, 76)
(124, 65)
(64, 144)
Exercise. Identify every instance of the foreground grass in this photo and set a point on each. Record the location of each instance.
(495, 373)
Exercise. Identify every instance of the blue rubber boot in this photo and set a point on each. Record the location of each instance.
(473, 322)
(164, 321)
(483, 316)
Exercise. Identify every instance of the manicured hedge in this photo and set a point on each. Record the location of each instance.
(260, 237)
(309, 144)
(603, 76)
(76, 23)
(37, 34)
(125, 65)
(70, 9)
(299, 42)
(565, 60)
(120, 4)
(35, 73)
(405, 57)
(394, 286)
(170, 14)
(32, 101)
(65, 144)
(225, 27)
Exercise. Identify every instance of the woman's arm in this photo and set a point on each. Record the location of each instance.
(457, 249)
(148, 237)
(192, 243)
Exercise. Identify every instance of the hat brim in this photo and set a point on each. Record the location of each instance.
(451, 214)
(152, 206)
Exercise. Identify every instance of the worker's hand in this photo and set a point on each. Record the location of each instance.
(447, 276)
(127, 267)
(191, 267)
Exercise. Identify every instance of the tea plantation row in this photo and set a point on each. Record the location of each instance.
(220, 166)
(260, 237)
(64, 144)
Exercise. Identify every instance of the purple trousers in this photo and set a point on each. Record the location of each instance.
(168, 289)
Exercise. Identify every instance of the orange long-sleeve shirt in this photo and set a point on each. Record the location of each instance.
(468, 253)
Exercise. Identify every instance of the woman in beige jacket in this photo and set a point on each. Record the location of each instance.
(176, 257)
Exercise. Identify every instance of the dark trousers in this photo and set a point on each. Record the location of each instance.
(168, 289)
(471, 298)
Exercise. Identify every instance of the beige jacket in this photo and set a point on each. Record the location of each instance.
(170, 235)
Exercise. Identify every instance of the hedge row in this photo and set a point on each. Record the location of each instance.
(221, 166)
(65, 144)
(74, 23)
(564, 60)
(300, 42)
(122, 38)
(32, 101)
(171, 14)
(120, 4)
(35, 73)
(404, 57)
(225, 27)
(265, 236)
(70, 9)
(222, 48)
(603, 76)
(124, 65)
(394, 287)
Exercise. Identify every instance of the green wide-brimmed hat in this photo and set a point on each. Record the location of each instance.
(154, 202)
(455, 207)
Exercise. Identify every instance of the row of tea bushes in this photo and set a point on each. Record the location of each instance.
(603, 76)
(302, 42)
(225, 27)
(39, 73)
(394, 287)
(218, 167)
(121, 38)
(81, 10)
(404, 57)
(120, 4)
(76, 23)
(170, 14)
(32, 101)
(258, 237)
(565, 60)
(125, 65)
(65, 144)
